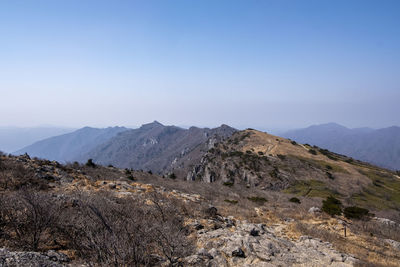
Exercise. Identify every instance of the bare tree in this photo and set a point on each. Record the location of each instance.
(2, 216)
(31, 216)
(125, 231)
(103, 229)
(168, 229)
(108, 230)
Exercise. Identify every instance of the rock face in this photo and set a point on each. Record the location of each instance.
(28, 259)
(159, 148)
(239, 245)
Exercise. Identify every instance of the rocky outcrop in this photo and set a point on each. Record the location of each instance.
(31, 259)
(393, 243)
(237, 243)
(231, 166)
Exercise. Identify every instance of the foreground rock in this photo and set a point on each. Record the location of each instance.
(247, 244)
(27, 259)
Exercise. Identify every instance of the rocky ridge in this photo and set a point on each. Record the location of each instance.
(158, 148)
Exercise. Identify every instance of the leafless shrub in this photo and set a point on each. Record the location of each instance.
(367, 264)
(30, 218)
(317, 232)
(107, 231)
(2, 217)
(377, 229)
(98, 173)
(168, 229)
(124, 231)
(1, 162)
(14, 176)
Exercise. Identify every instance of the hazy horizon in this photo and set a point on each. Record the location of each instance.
(274, 130)
(259, 64)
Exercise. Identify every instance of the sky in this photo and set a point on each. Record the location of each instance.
(262, 64)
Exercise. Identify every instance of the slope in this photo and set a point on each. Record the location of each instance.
(70, 146)
(253, 159)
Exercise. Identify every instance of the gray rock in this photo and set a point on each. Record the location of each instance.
(235, 246)
(31, 259)
(314, 210)
(238, 253)
(254, 232)
(393, 243)
(385, 221)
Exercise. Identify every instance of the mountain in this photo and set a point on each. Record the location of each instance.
(14, 138)
(157, 147)
(68, 147)
(250, 199)
(254, 159)
(380, 147)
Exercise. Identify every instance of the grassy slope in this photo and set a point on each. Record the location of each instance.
(360, 183)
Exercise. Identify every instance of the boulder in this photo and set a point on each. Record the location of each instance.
(30, 259)
(238, 253)
(314, 210)
(254, 232)
(211, 211)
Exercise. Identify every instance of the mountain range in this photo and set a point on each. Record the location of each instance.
(156, 147)
(377, 146)
(14, 138)
(248, 197)
(170, 149)
(69, 147)
(152, 147)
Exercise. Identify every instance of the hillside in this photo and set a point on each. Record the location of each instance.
(253, 159)
(380, 147)
(157, 147)
(102, 216)
(69, 147)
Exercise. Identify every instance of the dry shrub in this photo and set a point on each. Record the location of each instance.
(317, 232)
(374, 228)
(168, 229)
(126, 231)
(28, 219)
(105, 230)
(14, 176)
(102, 229)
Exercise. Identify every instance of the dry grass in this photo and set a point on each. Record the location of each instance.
(371, 251)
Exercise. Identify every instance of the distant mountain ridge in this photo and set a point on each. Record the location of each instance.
(380, 147)
(152, 147)
(69, 147)
(157, 147)
(14, 138)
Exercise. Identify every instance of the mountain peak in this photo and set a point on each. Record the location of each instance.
(151, 125)
(225, 126)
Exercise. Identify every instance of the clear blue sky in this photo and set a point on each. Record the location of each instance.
(261, 64)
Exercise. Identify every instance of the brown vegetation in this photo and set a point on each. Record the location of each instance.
(96, 227)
